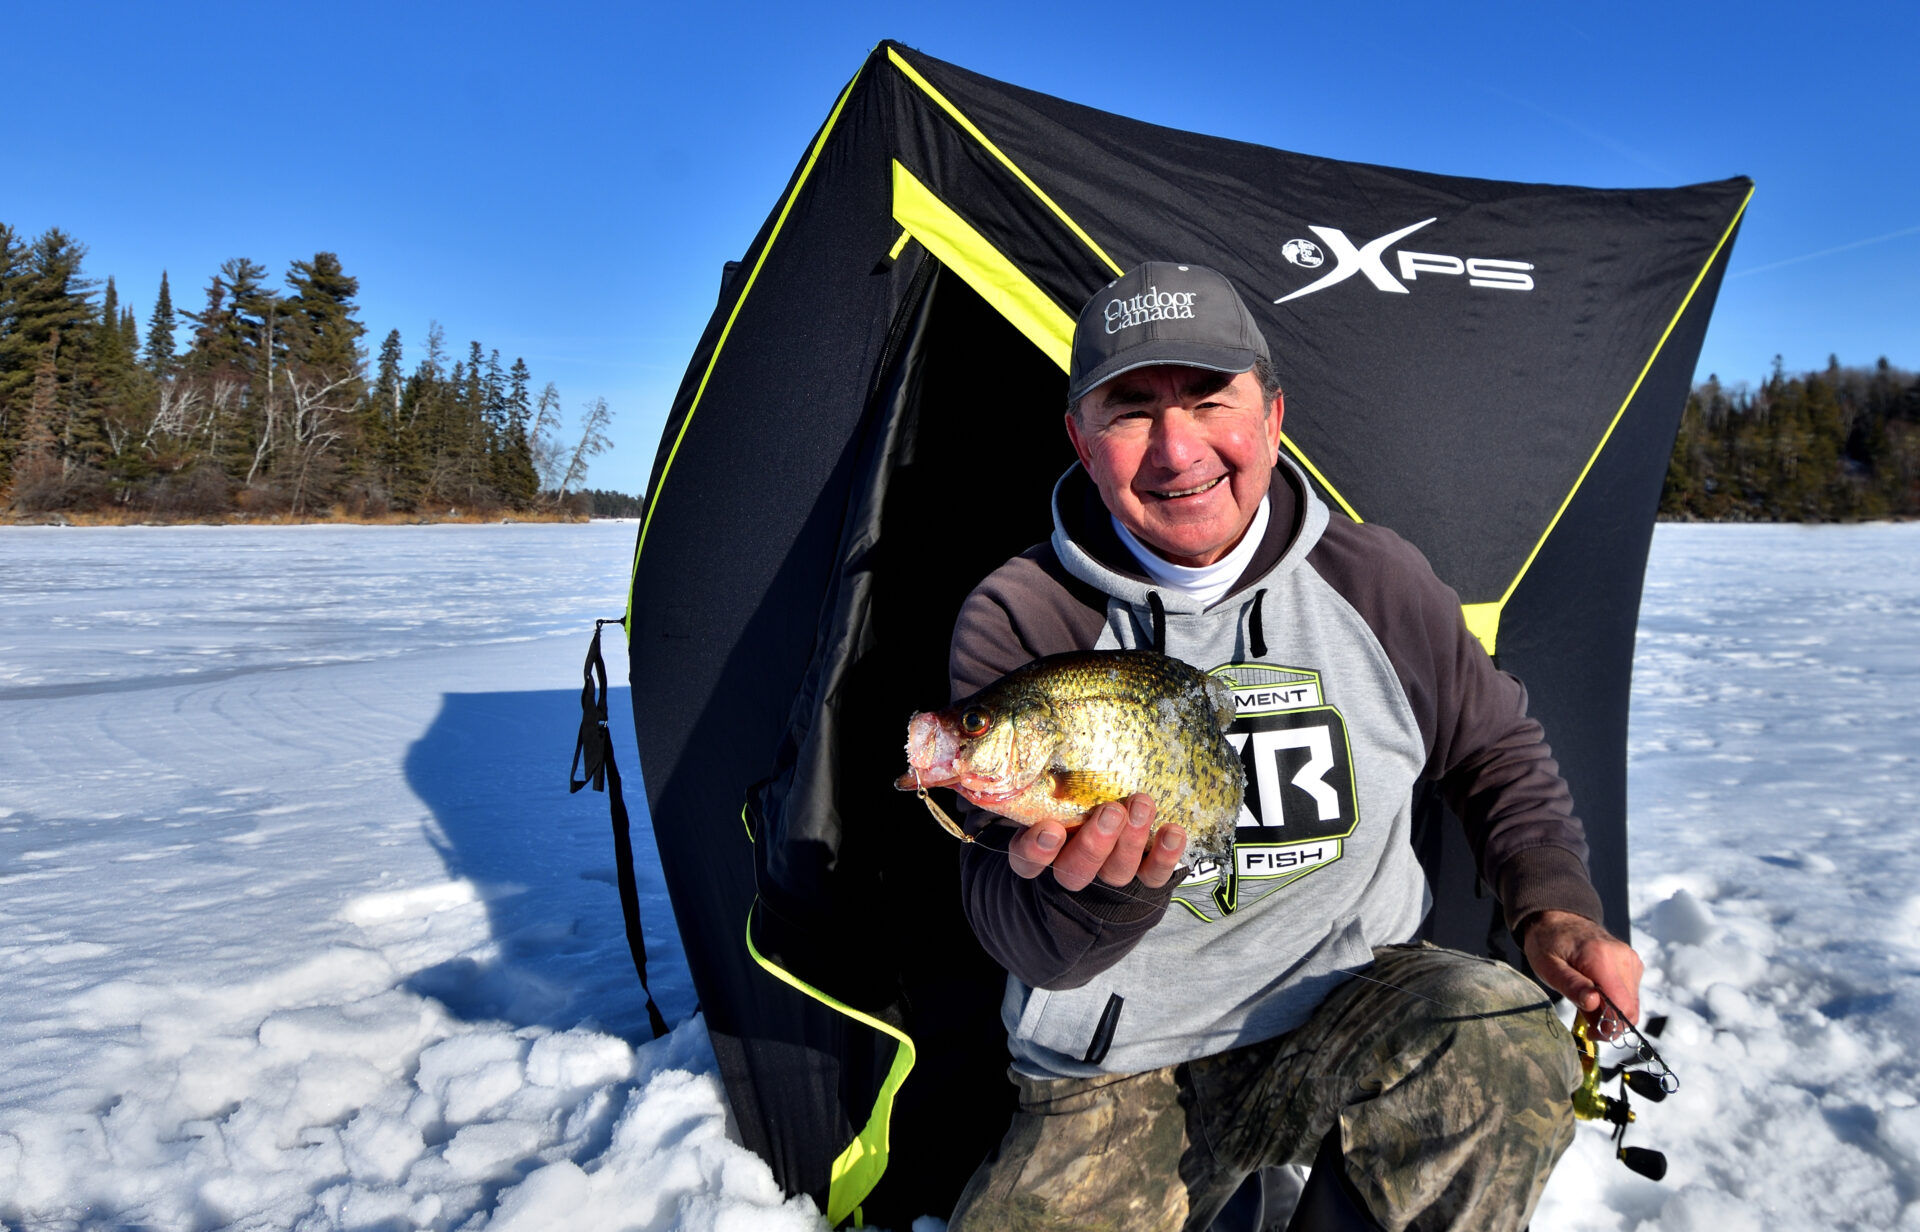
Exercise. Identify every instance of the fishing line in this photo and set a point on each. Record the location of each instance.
(1605, 1024)
(1608, 1024)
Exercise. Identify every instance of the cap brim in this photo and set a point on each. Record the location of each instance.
(1233, 360)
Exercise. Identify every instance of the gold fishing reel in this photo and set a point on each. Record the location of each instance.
(1652, 1084)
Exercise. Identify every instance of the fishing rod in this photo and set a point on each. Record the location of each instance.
(1605, 1025)
(1652, 1084)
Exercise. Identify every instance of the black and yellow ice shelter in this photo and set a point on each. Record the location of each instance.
(871, 423)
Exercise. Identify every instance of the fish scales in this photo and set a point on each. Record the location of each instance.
(1067, 733)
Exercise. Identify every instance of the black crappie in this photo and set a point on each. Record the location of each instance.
(1069, 732)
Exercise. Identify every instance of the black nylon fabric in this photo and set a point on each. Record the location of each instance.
(739, 537)
(873, 439)
(1509, 391)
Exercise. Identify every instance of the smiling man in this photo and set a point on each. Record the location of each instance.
(1178, 1024)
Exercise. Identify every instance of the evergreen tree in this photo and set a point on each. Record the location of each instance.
(1839, 443)
(113, 392)
(12, 279)
(322, 331)
(159, 356)
(44, 294)
(380, 429)
(239, 329)
(514, 472)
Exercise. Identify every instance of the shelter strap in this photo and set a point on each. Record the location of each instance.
(595, 747)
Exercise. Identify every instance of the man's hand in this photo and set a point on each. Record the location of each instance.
(1110, 844)
(1580, 960)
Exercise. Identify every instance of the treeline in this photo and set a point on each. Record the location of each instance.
(269, 407)
(1835, 445)
(606, 503)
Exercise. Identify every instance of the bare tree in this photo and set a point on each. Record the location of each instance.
(544, 440)
(173, 410)
(313, 427)
(593, 440)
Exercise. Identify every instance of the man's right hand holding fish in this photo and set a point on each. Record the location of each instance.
(1117, 843)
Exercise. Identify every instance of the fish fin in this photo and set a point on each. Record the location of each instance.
(1088, 787)
(1220, 693)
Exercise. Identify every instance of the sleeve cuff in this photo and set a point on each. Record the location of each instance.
(1546, 879)
(1128, 904)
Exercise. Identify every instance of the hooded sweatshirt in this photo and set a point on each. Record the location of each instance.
(1354, 679)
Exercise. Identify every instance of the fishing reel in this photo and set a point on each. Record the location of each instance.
(1608, 1025)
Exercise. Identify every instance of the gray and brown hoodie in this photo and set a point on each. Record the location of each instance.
(1354, 677)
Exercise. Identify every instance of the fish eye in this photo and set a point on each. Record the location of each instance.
(975, 721)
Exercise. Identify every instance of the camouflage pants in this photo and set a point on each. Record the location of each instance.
(1447, 1076)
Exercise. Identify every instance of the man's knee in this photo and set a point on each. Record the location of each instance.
(1473, 1108)
(1491, 1028)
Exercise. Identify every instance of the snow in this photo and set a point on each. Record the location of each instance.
(300, 929)
(1775, 880)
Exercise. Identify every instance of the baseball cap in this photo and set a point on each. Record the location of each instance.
(1162, 313)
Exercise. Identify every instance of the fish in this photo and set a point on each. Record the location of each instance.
(1070, 732)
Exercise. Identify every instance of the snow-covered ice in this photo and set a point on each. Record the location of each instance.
(300, 929)
(1774, 782)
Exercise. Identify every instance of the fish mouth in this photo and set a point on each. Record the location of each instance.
(1171, 494)
(935, 754)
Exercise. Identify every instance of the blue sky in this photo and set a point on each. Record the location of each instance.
(564, 183)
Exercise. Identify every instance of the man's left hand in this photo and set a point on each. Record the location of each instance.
(1580, 960)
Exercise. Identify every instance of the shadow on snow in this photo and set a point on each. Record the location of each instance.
(492, 767)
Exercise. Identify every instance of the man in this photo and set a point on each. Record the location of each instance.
(1178, 1025)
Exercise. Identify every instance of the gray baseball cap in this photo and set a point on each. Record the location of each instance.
(1162, 313)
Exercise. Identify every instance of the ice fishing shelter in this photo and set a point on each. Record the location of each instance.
(872, 422)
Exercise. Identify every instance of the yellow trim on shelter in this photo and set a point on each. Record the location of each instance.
(1483, 621)
(912, 74)
(786, 207)
(985, 268)
(1628, 400)
(858, 1168)
(1299, 455)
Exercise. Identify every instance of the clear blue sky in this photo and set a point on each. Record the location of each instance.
(564, 182)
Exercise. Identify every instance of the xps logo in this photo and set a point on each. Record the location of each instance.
(1367, 259)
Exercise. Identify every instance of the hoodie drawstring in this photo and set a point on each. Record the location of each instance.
(1258, 640)
(1159, 611)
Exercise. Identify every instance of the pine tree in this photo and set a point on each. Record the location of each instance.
(44, 294)
(474, 469)
(322, 331)
(113, 392)
(380, 423)
(47, 293)
(159, 357)
(514, 474)
(12, 278)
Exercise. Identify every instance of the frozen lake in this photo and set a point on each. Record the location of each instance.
(299, 927)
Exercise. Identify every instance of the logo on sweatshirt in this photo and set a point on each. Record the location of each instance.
(1300, 805)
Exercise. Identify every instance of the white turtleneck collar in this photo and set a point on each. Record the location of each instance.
(1208, 583)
